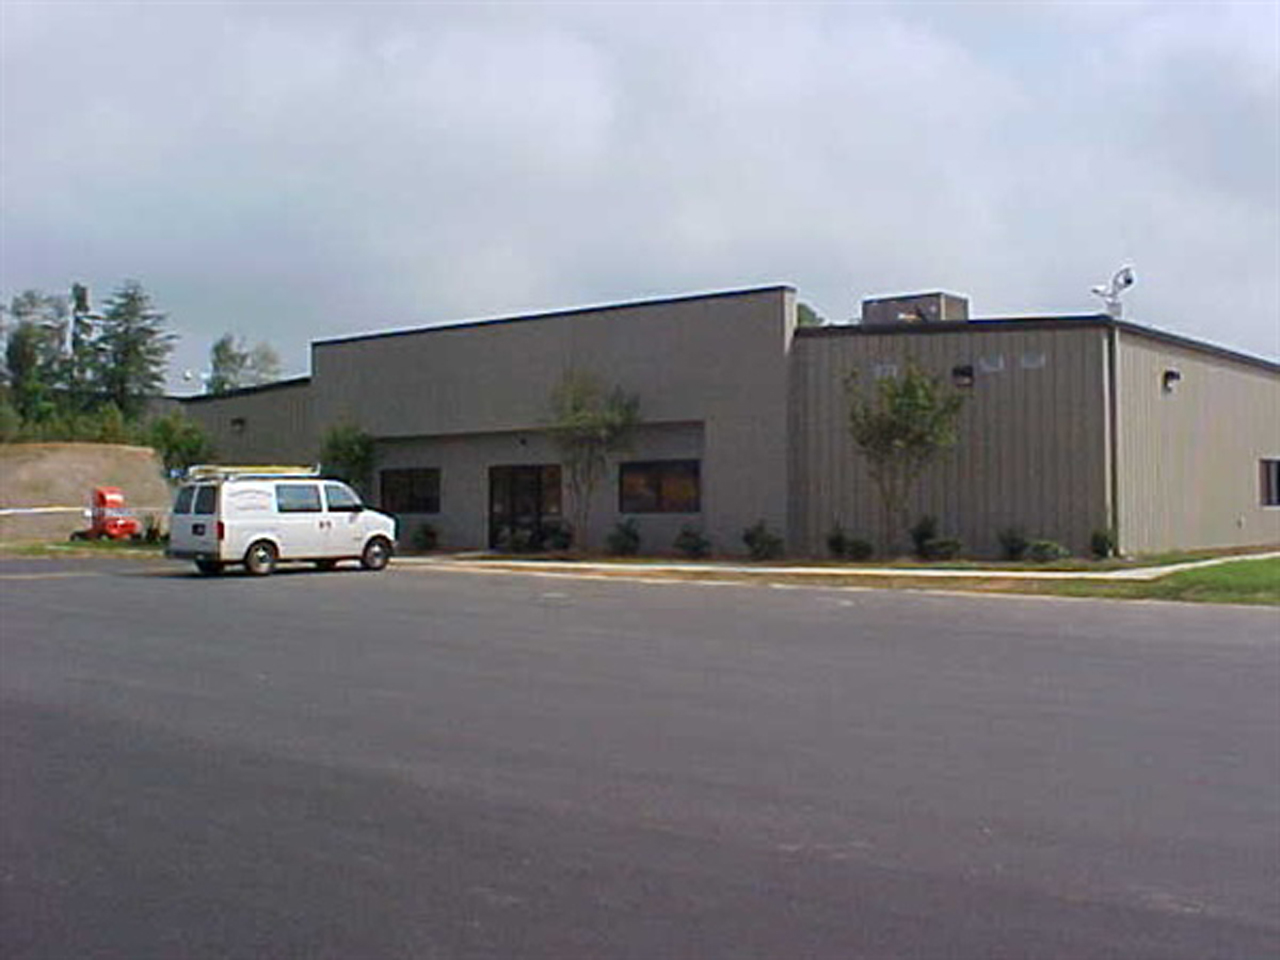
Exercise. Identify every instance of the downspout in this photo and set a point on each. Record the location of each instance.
(1113, 433)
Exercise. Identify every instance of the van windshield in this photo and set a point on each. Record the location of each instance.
(341, 499)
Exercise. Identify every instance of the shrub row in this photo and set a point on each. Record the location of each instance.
(763, 544)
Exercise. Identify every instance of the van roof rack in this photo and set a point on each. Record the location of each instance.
(217, 471)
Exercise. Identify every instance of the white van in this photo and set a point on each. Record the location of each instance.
(262, 516)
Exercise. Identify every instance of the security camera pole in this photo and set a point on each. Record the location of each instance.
(1110, 292)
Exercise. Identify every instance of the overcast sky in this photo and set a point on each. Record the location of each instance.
(296, 171)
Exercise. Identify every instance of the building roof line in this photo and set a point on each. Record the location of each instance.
(551, 314)
(1075, 321)
(244, 391)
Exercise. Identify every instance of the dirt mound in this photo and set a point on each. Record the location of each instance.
(61, 476)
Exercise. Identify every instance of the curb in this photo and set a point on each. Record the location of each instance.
(1137, 575)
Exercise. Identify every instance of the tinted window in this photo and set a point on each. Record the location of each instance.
(206, 501)
(1270, 483)
(660, 486)
(183, 503)
(297, 498)
(341, 499)
(412, 490)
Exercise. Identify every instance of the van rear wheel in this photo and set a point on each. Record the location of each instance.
(210, 568)
(377, 554)
(260, 558)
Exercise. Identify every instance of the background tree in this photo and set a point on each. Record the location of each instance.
(263, 366)
(179, 440)
(588, 422)
(31, 358)
(901, 426)
(806, 316)
(226, 364)
(347, 452)
(34, 326)
(134, 348)
(82, 361)
(233, 364)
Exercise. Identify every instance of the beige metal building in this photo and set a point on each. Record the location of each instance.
(1070, 425)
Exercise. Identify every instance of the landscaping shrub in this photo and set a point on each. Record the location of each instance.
(762, 543)
(1013, 543)
(554, 535)
(515, 540)
(691, 543)
(928, 545)
(923, 533)
(858, 549)
(1046, 551)
(943, 548)
(624, 540)
(844, 547)
(425, 538)
(837, 542)
(1102, 544)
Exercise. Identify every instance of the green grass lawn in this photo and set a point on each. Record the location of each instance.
(1241, 581)
(81, 548)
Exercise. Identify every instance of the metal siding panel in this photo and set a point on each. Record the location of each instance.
(1032, 441)
(1188, 460)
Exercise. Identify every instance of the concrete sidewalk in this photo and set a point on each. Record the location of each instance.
(641, 569)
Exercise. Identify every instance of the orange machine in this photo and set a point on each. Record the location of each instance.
(109, 517)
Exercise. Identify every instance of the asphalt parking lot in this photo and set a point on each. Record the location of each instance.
(423, 763)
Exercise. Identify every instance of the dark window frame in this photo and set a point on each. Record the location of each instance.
(658, 479)
(413, 490)
(1269, 481)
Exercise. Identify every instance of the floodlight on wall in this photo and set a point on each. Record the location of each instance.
(1169, 379)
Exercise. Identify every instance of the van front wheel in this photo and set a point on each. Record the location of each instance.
(260, 559)
(377, 554)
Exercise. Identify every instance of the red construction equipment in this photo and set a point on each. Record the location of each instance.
(109, 518)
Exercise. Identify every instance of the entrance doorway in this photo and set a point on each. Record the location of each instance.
(522, 500)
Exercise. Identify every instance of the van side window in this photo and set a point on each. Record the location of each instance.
(183, 503)
(206, 501)
(341, 499)
(297, 498)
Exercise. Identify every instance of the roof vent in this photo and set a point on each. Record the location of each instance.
(915, 308)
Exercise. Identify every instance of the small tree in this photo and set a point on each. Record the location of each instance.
(589, 422)
(346, 452)
(901, 426)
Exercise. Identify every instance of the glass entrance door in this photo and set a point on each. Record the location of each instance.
(522, 498)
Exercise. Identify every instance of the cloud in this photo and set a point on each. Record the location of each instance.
(291, 171)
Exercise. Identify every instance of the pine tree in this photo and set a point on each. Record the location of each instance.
(134, 348)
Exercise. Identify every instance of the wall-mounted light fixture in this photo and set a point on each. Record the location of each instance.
(1169, 379)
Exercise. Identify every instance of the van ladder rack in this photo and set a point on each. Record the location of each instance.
(215, 471)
